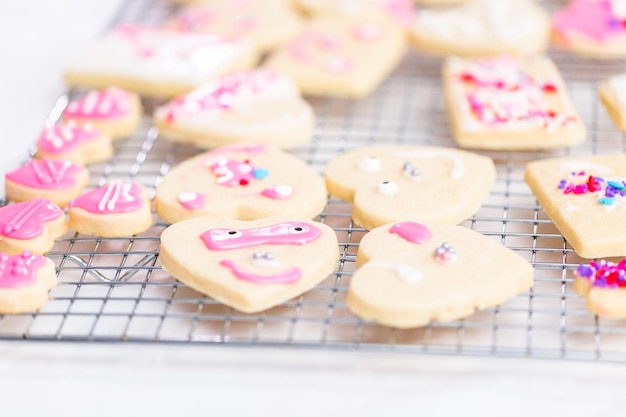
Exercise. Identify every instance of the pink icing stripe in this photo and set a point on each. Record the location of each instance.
(191, 200)
(104, 104)
(26, 220)
(46, 174)
(594, 18)
(19, 270)
(288, 276)
(279, 192)
(65, 137)
(222, 93)
(289, 233)
(411, 232)
(117, 197)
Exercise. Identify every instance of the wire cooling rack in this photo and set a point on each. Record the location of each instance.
(114, 290)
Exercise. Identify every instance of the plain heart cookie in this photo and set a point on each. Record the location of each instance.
(483, 27)
(333, 55)
(244, 182)
(410, 274)
(510, 103)
(613, 97)
(585, 197)
(25, 280)
(250, 266)
(257, 105)
(157, 62)
(390, 183)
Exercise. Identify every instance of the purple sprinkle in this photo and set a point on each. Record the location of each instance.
(585, 271)
(562, 184)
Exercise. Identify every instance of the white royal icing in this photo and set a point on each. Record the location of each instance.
(369, 164)
(406, 273)
(387, 188)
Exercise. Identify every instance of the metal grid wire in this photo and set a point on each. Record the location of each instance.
(114, 290)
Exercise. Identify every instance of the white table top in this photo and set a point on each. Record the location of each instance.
(39, 37)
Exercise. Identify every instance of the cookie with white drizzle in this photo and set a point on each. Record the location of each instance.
(410, 274)
(118, 209)
(390, 183)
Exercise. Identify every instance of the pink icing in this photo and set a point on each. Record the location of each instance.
(65, 137)
(367, 32)
(104, 104)
(133, 34)
(46, 174)
(117, 197)
(203, 19)
(400, 10)
(19, 270)
(230, 172)
(303, 47)
(411, 232)
(288, 276)
(222, 93)
(26, 220)
(279, 192)
(338, 65)
(191, 200)
(289, 233)
(594, 18)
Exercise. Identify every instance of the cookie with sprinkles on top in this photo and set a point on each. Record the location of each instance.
(510, 103)
(585, 197)
(603, 284)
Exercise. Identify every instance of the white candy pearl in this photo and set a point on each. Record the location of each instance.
(388, 188)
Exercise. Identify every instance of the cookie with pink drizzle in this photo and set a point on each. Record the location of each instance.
(25, 280)
(157, 62)
(118, 209)
(265, 23)
(82, 144)
(332, 56)
(585, 197)
(250, 265)
(57, 180)
(410, 274)
(510, 103)
(592, 27)
(113, 111)
(30, 225)
(243, 182)
(257, 105)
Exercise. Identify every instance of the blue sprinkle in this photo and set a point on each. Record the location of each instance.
(607, 201)
(260, 173)
(616, 184)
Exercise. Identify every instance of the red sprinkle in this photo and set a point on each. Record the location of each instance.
(244, 181)
(549, 88)
(591, 184)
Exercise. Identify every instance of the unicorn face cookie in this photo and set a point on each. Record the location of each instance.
(264, 23)
(157, 62)
(250, 266)
(257, 105)
(70, 141)
(510, 103)
(483, 27)
(585, 198)
(30, 225)
(244, 182)
(25, 280)
(332, 56)
(388, 183)
(410, 274)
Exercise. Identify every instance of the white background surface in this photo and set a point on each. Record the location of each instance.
(37, 38)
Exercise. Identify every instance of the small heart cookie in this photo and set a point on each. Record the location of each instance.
(70, 141)
(258, 105)
(245, 182)
(585, 197)
(30, 225)
(59, 181)
(390, 183)
(250, 266)
(25, 280)
(118, 209)
(410, 274)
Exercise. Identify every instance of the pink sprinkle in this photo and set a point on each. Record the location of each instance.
(338, 65)
(367, 32)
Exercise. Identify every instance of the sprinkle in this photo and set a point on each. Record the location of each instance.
(607, 201)
(616, 184)
(562, 184)
(244, 181)
(260, 173)
(604, 274)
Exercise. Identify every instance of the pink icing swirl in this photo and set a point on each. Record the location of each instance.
(104, 104)
(19, 270)
(26, 220)
(288, 276)
(191, 200)
(222, 93)
(117, 197)
(65, 137)
(46, 174)
(288, 233)
(594, 18)
(412, 232)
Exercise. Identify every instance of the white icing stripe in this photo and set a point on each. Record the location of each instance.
(106, 198)
(407, 273)
(458, 169)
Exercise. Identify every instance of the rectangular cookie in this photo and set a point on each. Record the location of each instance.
(510, 103)
(613, 96)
